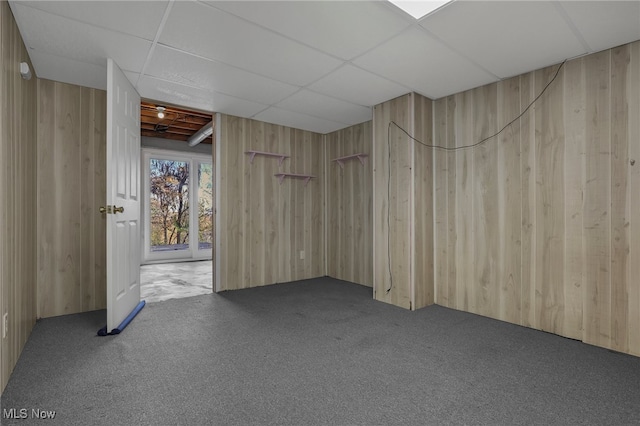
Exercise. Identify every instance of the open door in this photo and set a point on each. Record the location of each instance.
(123, 197)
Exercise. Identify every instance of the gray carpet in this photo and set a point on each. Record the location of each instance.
(315, 352)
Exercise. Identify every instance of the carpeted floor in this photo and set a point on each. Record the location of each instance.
(315, 352)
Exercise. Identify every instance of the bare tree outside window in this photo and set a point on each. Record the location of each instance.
(169, 205)
(205, 206)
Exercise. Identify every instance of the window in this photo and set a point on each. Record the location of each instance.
(178, 206)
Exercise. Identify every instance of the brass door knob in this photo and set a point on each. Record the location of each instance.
(118, 209)
(105, 209)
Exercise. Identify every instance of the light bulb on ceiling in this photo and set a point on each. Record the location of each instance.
(160, 111)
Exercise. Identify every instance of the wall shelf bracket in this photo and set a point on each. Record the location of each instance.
(360, 156)
(252, 154)
(306, 178)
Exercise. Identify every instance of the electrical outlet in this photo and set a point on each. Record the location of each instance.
(5, 325)
(301, 254)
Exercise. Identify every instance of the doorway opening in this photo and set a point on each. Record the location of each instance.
(177, 203)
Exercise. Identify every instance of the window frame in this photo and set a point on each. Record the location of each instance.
(193, 252)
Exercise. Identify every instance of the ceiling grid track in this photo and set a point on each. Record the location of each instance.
(163, 22)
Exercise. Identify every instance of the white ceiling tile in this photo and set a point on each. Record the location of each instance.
(357, 86)
(317, 105)
(132, 77)
(214, 34)
(184, 68)
(249, 57)
(605, 24)
(345, 29)
(506, 38)
(298, 120)
(416, 60)
(165, 91)
(56, 68)
(71, 39)
(137, 18)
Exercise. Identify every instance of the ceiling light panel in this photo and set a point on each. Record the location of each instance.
(418, 8)
(214, 34)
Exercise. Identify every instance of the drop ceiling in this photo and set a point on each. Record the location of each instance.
(313, 65)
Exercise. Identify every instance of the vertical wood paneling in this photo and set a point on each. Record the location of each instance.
(484, 198)
(391, 202)
(403, 202)
(298, 226)
(441, 222)
(46, 198)
(231, 209)
(17, 194)
(349, 198)
(464, 209)
(620, 58)
(257, 239)
(97, 223)
(64, 288)
(422, 233)
(633, 170)
(286, 196)
(86, 200)
(549, 232)
(597, 213)
(452, 236)
(265, 225)
(509, 218)
(543, 229)
(528, 203)
(574, 249)
(315, 206)
(71, 188)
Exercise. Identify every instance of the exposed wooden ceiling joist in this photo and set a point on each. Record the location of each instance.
(177, 124)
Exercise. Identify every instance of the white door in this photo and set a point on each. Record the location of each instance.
(123, 199)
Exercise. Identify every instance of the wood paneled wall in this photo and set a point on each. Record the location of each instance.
(403, 202)
(17, 195)
(540, 226)
(264, 224)
(391, 202)
(71, 188)
(349, 205)
(422, 221)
